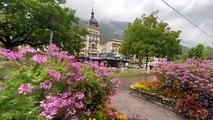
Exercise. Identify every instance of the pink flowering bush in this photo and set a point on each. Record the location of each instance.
(52, 85)
(187, 75)
(191, 84)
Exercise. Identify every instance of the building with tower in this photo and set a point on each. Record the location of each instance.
(92, 41)
(107, 53)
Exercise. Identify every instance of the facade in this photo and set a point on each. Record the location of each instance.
(111, 46)
(92, 41)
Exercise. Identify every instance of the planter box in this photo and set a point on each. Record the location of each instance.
(163, 101)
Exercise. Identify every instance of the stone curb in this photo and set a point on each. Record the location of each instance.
(163, 101)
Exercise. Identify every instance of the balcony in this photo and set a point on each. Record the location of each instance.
(93, 50)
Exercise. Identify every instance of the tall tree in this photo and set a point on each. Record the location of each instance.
(147, 37)
(31, 22)
(197, 52)
(209, 52)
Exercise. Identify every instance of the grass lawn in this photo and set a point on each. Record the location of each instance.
(119, 74)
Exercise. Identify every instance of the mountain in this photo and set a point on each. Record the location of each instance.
(110, 29)
(185, 49)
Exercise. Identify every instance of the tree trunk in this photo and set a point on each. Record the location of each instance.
(147, 59)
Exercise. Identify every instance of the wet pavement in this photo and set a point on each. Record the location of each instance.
(140, 108)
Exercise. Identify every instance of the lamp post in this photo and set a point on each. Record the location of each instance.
(86, 54)
(51, 37)
(53, 25)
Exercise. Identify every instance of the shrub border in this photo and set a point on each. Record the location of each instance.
(168, 103)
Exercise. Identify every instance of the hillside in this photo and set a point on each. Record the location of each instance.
(110, 30)
(185, 49)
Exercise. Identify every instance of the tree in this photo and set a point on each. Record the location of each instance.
(147, 37)
(209, 52)
(31, 21)
(197, 52)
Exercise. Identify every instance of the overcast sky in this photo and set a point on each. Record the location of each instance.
(198, 11)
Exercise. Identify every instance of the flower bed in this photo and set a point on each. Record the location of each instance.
(163, 101)
(51, 85)
(189, 84)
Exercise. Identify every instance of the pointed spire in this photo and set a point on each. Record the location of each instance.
(93, 21)
(92, 13)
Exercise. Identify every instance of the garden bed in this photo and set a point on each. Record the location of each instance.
(185, 87)
(168, 103)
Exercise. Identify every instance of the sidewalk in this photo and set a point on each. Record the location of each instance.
(134, 106)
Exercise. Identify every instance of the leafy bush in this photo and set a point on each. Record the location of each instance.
(51, 85)
(192, 107)
(198, 106)
(184, 76)
(192, 82)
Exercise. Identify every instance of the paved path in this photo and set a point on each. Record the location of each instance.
(134, 106)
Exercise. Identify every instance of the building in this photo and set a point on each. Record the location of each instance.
(107, 53)
(112, 45)
(108, 59)
(92, 41)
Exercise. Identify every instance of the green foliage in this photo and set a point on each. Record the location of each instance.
(197, 52)
(30, 22)
(12, 104)
(209, 52)
(148, 37)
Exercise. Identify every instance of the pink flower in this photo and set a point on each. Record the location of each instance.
(103, 84)
(3, 51)
(98, 74)
(53, 48)
(75, 65)
(79, 77)
(79, 105)
(80, 95)
(65, 95)
(105, 73)
(46, 85)
(24, 89)
(27, 49)
(69, 81)
(2, 88)
(13, 55)
(71, 73)
(54, 104)
(39, 58)
(75, 118)
(54, 74)
(88, 112)
(71, 111)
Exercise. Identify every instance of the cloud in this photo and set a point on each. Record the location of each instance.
(198, 11)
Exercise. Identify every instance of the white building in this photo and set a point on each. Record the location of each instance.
(112, 45)
(92, 41)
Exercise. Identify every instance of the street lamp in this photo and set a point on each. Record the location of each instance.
(53, 25)
(51, 36)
